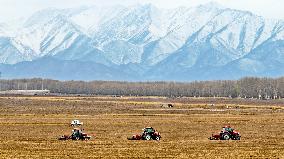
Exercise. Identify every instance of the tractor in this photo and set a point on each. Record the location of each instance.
(226, 133)
(77, 134)
(148, 133)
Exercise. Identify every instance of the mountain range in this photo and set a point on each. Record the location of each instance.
(142, 43)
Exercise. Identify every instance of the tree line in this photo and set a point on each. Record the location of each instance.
(249, 87)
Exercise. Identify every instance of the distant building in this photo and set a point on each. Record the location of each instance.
(25, 92)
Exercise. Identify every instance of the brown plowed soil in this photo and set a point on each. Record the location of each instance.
(31, 126)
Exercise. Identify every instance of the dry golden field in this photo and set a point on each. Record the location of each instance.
(30, 127)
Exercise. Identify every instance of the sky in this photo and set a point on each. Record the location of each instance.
(14, 9)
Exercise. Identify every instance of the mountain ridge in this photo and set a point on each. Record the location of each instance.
(150, 42)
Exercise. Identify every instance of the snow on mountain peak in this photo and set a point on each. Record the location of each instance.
(211, 6)
(2, 29)
(145, 35)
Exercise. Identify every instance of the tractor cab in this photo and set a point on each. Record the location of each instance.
(149, 130)
(76, 133)
(227, 129)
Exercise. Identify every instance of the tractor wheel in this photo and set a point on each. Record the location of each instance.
(148, 137)
(238, 138)
(226, 136)
(157, 138)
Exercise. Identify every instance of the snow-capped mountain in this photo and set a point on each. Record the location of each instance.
(3, 29)
(144, 42)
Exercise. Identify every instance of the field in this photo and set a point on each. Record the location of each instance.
(31, 126)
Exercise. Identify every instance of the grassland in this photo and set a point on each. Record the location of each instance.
(31, 125)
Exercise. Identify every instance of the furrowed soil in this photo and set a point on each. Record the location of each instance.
(30, 127)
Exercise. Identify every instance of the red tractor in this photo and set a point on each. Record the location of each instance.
(77, 134)
(226, 133)
(148, 133)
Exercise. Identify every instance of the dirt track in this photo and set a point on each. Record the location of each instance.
(32, 124)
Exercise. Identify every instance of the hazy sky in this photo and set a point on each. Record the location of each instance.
(11, 9)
